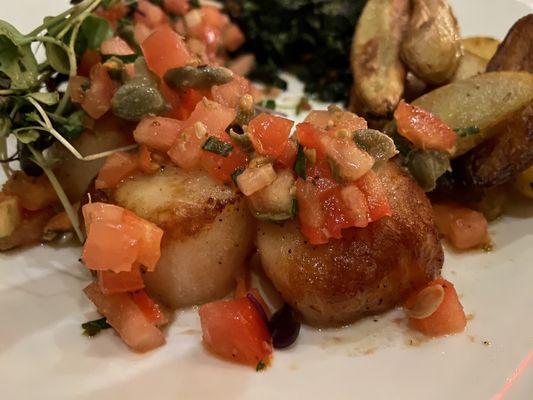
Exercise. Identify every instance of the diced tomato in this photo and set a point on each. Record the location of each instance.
(309, 135)
(447, 319)
(230, 93)
(214, 116)
(269, 134)
(287, 158)
(123, 314)
(88, 60)
(232, 37)
(335, 212)
(176, 7)
(141, 32)
(423, 129)
(356, 205)
(117, 167)
(116, 46)
(310, 212)
(113, 13)
(187, 149)
(149, 14)
(332, 121)
(213, 17)
(149, 307)
(149, 238)
(182, 102)
(97, 100)
(157, 133)
(117, 239)
(378, 204)
(220, 167)
(165, 49)
(146, 164)
(465, 228)
(235, 330)
(128, 281)
(77, 86)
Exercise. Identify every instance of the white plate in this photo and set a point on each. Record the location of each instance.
(43, 354)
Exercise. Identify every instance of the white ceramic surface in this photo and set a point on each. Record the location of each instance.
(44, 356)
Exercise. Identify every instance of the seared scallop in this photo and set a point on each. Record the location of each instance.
(208, 233)
(367, 271)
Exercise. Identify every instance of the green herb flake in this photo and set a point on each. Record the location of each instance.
(48, 99)
(261, 365)
(194, 3)
(93, 328)
(93, 32)
(300, 165)
(214, 145)
(270, 104)
(73, 126)
(467, 131)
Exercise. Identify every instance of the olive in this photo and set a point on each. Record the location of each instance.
(380, 146)
(137, 98)
(202, 77)
(284, 327)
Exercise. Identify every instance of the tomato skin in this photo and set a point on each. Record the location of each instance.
(336, 120)
(214, 116)
(141, 32)
(149, 238)
(423, 129)
(234, 330)
(269, 134)
(287, 158)
(187, 149)
(88, 60)
(232, 37)
(230, 93)
(97, 99)
(309, 135)
(182, 102)
(117, 167)
(127, 281)
(123, 314)
(378, 204)
(465, 228)
(157, 133)
(77, 85)
(220, 167)
(165, 49)
(449, 317)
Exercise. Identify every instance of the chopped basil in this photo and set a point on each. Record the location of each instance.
(93, 328)
(260, 366)
(217, 146)
(467, 131)
(301, 162)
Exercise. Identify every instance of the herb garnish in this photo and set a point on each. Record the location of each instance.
(301, 163)
(270, 104)
(217, 146)
(467, 131)
(261, 365)
(93, 328)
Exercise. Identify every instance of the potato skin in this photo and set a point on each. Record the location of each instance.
(432, 47)
(368, 271)
(375, 56)
(208, 233)
(515, 53)
(501, 158)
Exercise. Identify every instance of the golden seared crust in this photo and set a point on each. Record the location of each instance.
(369, 270)
(180, 202)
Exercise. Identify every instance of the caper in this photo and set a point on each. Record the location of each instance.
(427, 166)
(380, 146)
(202, 77)
(137, 98)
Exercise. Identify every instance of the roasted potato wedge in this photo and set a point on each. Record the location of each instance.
(502, 157)
(378, 71)
(515, 53)
(370, 270)
(524, 182)
(481, 46)
(432, 47)
(470, 65)
(208, 233)
(482, 101)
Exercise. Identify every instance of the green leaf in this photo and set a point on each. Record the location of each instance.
(301, 163)
(16, 59)
(93, 32)
(73, 127)
(217, 146)
(33, 117)
(57, 58)
(92, 328)
(28, 136)
(45, 98)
